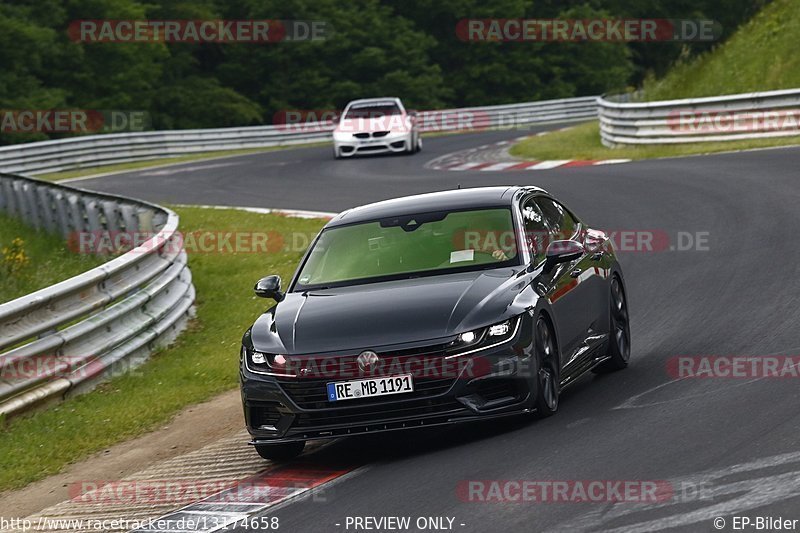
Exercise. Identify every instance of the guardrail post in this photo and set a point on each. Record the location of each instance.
(31, 203)
(92, 215)
(75, 211)
(129, 218)
(23, 209)
(62, 214)
(47, 209)
(8, 200)
(145, 217)
(111, 214)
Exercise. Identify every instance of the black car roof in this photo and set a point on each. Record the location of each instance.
(443, 200)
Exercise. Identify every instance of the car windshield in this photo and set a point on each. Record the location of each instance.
(411, 245)
(373, 111)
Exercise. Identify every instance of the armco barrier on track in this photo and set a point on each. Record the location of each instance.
(96, 150)
(65, 338)
(716, 118)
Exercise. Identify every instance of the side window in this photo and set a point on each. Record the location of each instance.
(561, 222)
(536, 232)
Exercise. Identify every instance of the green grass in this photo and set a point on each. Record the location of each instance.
(48, 260)
(202, 363)
(123, 167)
(583, 142)
(761, 56)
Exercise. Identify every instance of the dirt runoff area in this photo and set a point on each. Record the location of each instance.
(190, 430)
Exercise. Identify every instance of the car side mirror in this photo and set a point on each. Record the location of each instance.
(269, 287)
(562, 252)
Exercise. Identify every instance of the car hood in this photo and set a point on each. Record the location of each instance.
(388, 313)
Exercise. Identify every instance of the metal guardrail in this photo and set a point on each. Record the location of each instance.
(95, 150)
(66, 338)
(717, 118)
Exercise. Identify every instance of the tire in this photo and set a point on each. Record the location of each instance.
(415, 147)
(281, 452)
(547, 375)
(336, 153)
(619, 343)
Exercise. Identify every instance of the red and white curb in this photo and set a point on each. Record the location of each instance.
(213, 488)
(495, 158)
(237, 506)
(530, 165)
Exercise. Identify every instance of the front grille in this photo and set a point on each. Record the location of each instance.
(264, 414)
(378, 134)
(432, 375)
(381, 412)
(361, 135)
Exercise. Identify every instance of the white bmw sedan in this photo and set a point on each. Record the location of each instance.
(374, 126)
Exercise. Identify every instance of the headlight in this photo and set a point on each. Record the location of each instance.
(499, 330)
(278, 364)
(468, 338)
(342, 135)
(480, 339)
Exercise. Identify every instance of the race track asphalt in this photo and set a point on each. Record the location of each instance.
(726, 446)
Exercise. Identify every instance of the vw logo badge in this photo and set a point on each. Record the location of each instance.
(366, 360)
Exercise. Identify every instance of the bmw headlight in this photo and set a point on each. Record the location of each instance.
(480, 339)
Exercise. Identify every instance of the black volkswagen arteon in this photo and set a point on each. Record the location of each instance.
(433, 309)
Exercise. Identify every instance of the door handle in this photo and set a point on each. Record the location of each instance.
(575, 273)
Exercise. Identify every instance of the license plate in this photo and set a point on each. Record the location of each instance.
(368, 388)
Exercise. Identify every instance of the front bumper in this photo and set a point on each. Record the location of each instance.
(494, 382)
(348, 146)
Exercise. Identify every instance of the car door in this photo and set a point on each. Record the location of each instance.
(570, 293)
